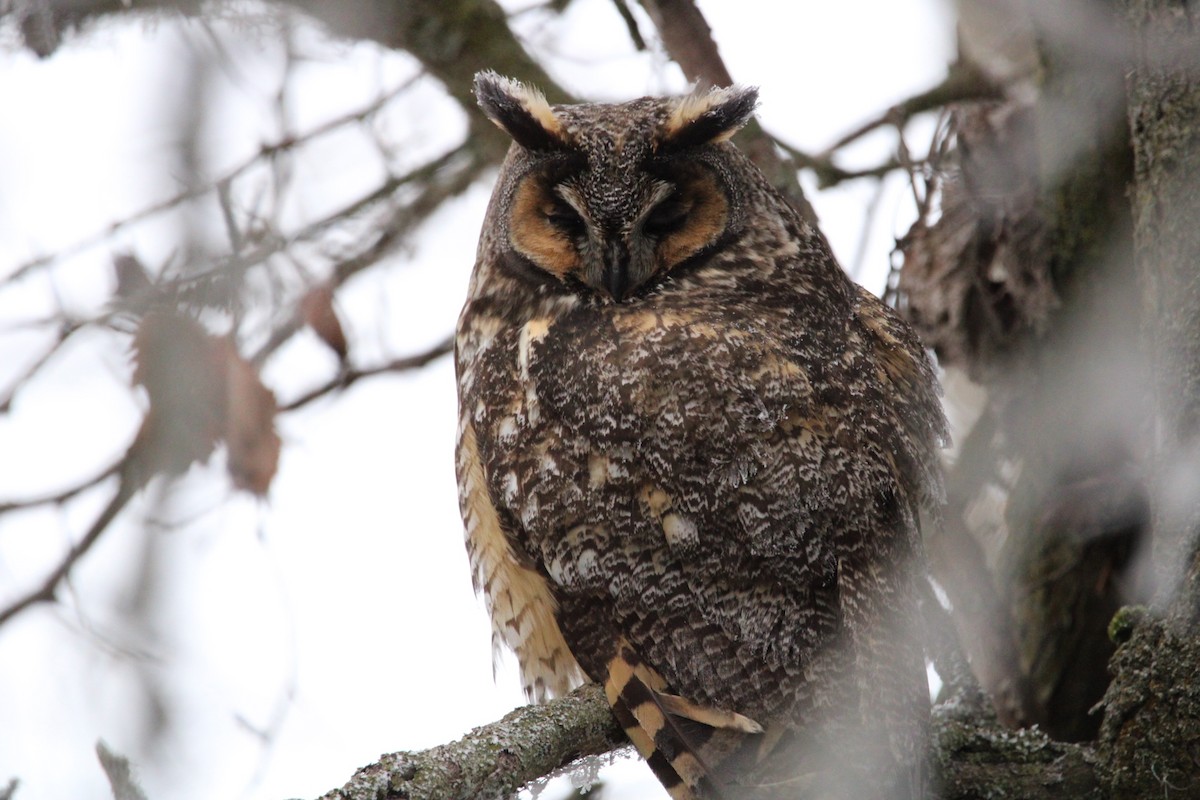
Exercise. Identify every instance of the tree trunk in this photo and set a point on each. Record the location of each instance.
(1151, 734)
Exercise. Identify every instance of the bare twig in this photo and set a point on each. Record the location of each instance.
(266, 152)
(344, 380)
(859, 262)
(63, 495)
(65, 329)
(46, 591)
(962, 83)
(441, 179)
(631, 25)
(120, 774)
(912, 167)
(830, 174)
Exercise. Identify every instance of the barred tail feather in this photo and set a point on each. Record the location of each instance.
(669, 731)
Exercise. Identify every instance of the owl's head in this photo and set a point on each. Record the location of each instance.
(611, 198)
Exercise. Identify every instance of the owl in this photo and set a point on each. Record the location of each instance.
(692, 454)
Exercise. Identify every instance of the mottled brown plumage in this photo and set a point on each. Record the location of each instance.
(692, 454)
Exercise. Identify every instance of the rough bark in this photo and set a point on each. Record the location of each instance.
(495, 760)
(972, 760)
(1150, 740)
(1164, 114)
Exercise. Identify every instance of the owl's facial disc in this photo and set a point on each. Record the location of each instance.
(675, 216)
(614, 195)
(548, 228)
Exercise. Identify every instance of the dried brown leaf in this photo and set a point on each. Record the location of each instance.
(202, 391)
(316, 308)
(175, 360)
(249, 424)
(133, 281)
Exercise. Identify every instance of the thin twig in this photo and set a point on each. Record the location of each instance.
(65, 329)
(864, 235)
(401, 222)
(830, 174)
(961, 83)
(46, 591)
(631, 25)
(344, 380)
(265, 152)
(911, 167)
(65, 494)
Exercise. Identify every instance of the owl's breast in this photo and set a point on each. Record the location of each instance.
(646, 371)
(596, 415)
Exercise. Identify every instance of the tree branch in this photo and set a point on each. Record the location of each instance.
(62, 495)
(266, 153)
(496, 760)
(1150, 736)
(830, 174)
(635, 35)
(443, 178)
(46, 591)
(981, 618)
(1164, 112)
(453, 40)
(688, 39)
(973, 758)
(962, 83)
(65, 329)
(344, 380)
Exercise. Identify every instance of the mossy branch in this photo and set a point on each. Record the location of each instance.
(496, 760)
(972, 757)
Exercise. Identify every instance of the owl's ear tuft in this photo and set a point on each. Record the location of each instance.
(520, 111)
(708, 117)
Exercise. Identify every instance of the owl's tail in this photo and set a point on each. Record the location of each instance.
(669, 731)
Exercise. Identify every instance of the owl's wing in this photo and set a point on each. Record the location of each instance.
(523, 605)
(520, 601)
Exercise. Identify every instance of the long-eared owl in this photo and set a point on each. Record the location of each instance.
(692, 454)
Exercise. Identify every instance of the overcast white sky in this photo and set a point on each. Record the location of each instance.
(337, 616)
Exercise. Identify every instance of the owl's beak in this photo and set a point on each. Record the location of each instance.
(615, 278)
